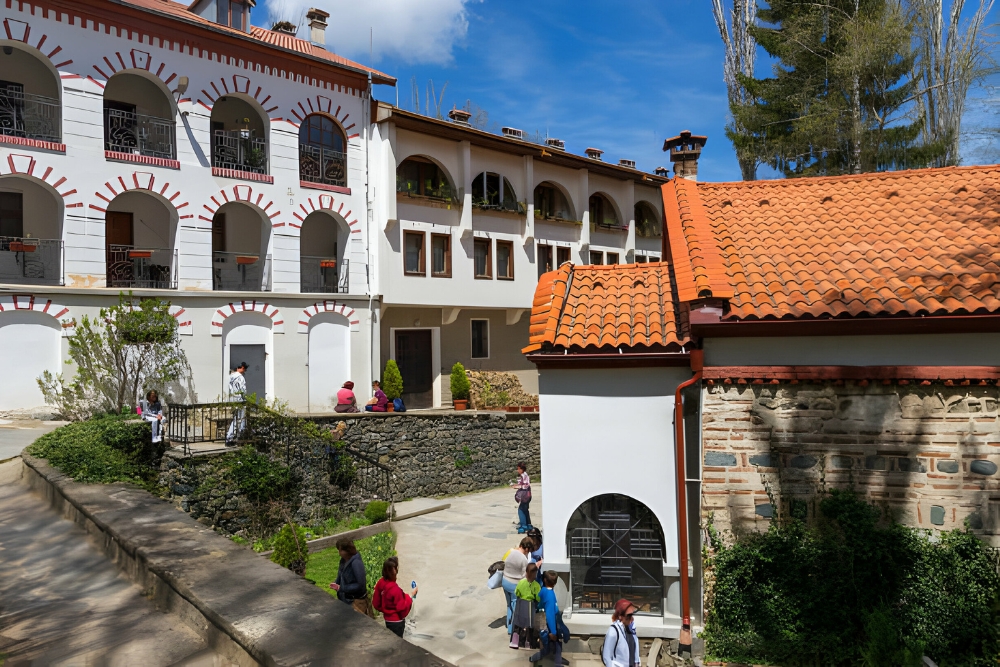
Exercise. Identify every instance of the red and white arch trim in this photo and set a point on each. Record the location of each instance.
(184, 326)
(12, 302)
(249, 306)
(20, 31)
(134, 59)
(328, 307)
(140, 180)
(244, 193)
(323, 105)
(29, 166)
(237, 83)
(324, 203)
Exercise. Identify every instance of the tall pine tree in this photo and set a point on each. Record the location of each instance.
(840, 95)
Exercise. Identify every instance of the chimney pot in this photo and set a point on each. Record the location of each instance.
(627, 163)
(594, 153)
(557, 144)
(512, 132)
(685, 149)
(317, 26)
(662, 171)
(459, 116)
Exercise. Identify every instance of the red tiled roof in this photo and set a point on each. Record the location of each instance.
(283, 41)
(630, 306)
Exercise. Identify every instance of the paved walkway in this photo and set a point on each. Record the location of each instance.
(15, 435)
(63, 603)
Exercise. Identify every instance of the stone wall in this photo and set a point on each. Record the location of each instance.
(928, 453)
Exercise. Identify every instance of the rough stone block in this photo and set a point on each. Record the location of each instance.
(719, 459)
(803, 462)
(762, 460)
(910, 465)
(875, 462)
(937, 515)
(983, 467)
(764, 510)
(947, 465)
(842, 462)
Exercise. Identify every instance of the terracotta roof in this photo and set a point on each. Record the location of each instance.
(282, 41)
(918, 242)
(606, 307)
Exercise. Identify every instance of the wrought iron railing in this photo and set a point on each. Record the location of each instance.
(151, 268)
(322, 165)
(129, 132)
(30, 116)
(203, 422)
(235, 272)
(31, 261)
(241, 150)
(324, 274)
(362, 475)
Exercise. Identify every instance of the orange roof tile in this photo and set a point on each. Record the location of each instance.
(631, 306)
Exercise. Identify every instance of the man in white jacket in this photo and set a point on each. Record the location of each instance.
(621, 645)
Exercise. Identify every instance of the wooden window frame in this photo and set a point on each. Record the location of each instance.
(539, 259)
(423, 252)
(489, 259)
(447, 256)
(472, 350)
(600, 254)
(562, 250)
(510, 260)
(607, 258)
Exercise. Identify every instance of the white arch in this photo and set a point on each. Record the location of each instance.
(61, 313)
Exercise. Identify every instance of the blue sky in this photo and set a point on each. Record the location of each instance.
(619, 76)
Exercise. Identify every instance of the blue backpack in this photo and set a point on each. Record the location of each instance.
(398, 405)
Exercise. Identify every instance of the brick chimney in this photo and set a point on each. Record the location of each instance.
(685, 149)
(317, 26)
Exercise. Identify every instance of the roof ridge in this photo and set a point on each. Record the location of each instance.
(872, 175)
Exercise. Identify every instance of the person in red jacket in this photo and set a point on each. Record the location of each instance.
(390, 599)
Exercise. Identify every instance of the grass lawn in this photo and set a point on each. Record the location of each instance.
(322, 567)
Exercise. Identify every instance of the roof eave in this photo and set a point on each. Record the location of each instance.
(553, 360)
(857, 326)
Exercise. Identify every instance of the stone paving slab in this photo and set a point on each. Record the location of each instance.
(409, 509)
(273, 615)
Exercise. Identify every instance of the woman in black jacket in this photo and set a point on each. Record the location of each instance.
(351, 583)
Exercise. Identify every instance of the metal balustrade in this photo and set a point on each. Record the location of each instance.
(318, 164)
(236, 272)
(30, 116)
(241, 150)
(151, 268)
(30, 261)
(129, 132)
(324, 275)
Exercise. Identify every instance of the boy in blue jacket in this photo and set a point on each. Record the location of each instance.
(555, 632)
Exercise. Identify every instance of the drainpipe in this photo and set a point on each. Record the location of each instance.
(684, 641)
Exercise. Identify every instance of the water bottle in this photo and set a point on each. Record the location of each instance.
(413, 584)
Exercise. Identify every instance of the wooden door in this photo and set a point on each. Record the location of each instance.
(413, 356)
(118, 228)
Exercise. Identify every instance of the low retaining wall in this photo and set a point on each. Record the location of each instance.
(246, 607)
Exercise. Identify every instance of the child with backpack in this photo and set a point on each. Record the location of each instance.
(526, 596)
(555, 632)
(390, 599)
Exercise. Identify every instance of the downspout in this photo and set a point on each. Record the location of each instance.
(684, 641)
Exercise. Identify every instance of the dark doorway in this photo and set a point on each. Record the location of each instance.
(255, 357)
(413, 356)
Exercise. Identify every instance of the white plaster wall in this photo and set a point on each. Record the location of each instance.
(607, 431)
(329, 360)
(29, 346)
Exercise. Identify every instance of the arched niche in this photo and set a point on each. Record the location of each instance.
(140, 231)
(322, 151)
(30, 94)
(248, 337)
(241, 237)
(36, 338)
(240, 129)
(323, 243)
(421, 176)
(552, 202)
(31, 230)
(604, 212)
(329, 359)
(139, 114)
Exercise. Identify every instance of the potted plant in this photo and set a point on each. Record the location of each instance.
(459, 387)
(392, 383)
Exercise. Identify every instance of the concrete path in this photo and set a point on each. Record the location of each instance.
(15, 435)
(63, 603)
(455, 616)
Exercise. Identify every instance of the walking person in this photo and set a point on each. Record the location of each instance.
(390, 599)
(346, 400)
(351, 583)
(621, 645)
(152, 412)
(555, 632)
(237, 393)
(515, 566)
(523, 498)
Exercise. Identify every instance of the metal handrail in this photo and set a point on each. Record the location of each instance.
(31, 261)
(324, 274)
(237, 272)
(240, 150)
(30, 116)
(153, 268)
(130, 132)
(319, 164)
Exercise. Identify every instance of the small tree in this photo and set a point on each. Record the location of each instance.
(459, 382)
(126, 349)
(392, 381)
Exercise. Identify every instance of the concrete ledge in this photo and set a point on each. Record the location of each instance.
(249, 609)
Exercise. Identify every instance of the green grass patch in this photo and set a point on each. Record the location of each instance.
(322, 567)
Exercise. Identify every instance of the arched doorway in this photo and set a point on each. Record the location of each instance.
(31, 247)
(139, 233)
(248, 337)
(139, 116)
(29, 94)
(323, 262)
(241, 236)
(239, 135)
(616, 550)
(36, 339)
(322, 151)
(329, 359)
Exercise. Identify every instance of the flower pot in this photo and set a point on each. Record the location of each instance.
(390, 407)
(513, 408)
(527, 408)
(460, 403)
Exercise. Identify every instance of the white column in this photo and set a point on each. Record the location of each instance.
(465, 173)
(629, 215)
(529, 190)
(584, 204)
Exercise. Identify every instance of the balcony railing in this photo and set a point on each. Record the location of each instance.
(29, 261)
(150, 268)
(324, 274)
(241, 150)
(30, 116)
(127, 132)
(322, 165)
(234, 272)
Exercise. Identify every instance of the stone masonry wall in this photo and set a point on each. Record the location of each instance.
(929, 453)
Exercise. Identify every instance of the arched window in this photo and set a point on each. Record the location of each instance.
(239, 136)
(418, 177)
(602, 212)
(322, 156)
(29, 96)
(647, 221)
(493, 192)
(138, 117)
(551, 203)
(616, 550)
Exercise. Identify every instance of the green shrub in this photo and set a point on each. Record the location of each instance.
(377, 510)
(392, 381)
(103, 449)
(459, 382)
(290, 549)
(853, 589)
(258, 477)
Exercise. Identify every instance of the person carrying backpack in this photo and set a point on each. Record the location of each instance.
(621, 645)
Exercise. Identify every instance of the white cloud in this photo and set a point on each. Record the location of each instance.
(415, 31)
